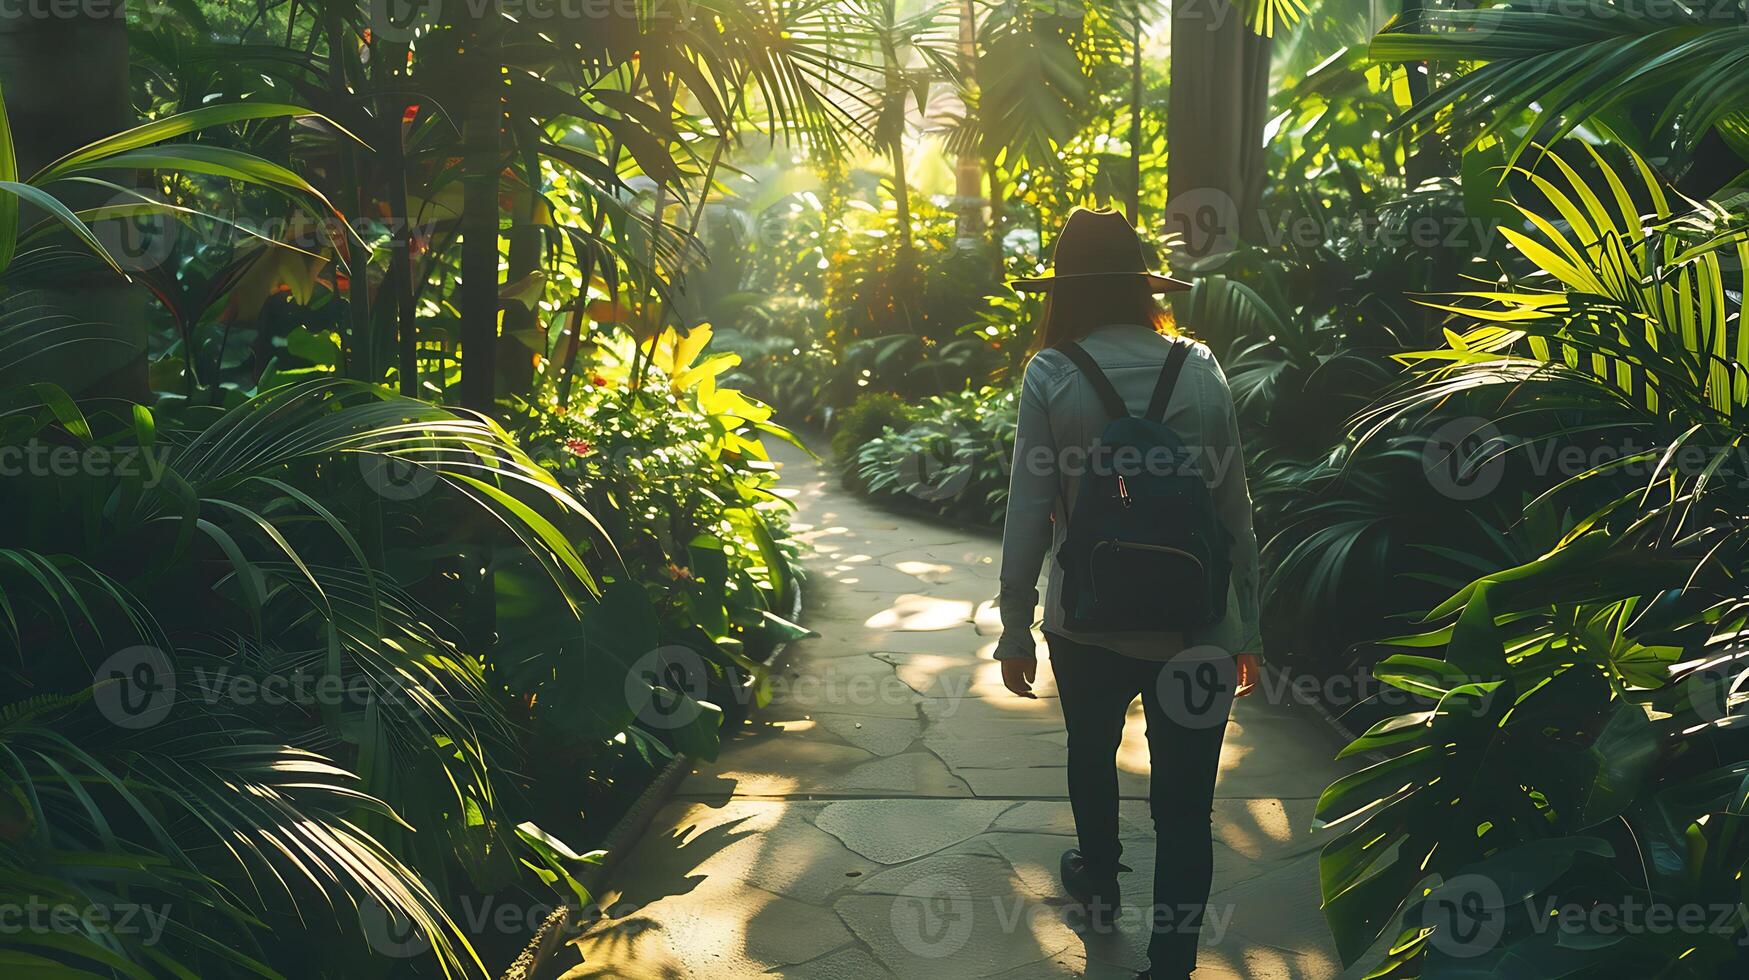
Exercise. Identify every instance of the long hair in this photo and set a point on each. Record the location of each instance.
(1075, 308)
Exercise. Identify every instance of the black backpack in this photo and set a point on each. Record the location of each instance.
(1144, 549)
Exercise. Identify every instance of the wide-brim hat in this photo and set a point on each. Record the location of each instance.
(1098, 245)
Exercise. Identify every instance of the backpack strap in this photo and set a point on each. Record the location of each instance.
(1108, 395)
(1168, 380)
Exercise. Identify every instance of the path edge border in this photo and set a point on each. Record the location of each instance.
(562, 925)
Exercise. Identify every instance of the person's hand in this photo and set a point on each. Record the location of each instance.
(1017, 675)
(1249, 671)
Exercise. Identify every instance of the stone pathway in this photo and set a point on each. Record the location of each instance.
(895, 812)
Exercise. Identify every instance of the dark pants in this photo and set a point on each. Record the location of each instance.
(1186, 707)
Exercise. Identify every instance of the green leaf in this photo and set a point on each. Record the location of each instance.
(199, 158)
(43, 199)
(8, 203)
(170, 127)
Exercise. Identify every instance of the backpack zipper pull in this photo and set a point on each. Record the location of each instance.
(1123, 490)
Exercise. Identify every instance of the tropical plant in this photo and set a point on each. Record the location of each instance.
(953, 458)
(1581, 748)
(240, 685)
(1665, 80)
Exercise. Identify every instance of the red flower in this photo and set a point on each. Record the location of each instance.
(598, 381)
(577, 447)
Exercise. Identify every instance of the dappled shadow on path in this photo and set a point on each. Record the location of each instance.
(893, 812)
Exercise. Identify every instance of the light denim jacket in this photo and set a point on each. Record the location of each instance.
(1060, 417)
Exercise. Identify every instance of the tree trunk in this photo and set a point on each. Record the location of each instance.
(479, 222)
(515, 358)
(901, 196)
(399, 285)
(388, 68)
(1215, 118)
(65, 83)
(1134, 210)
(967, 179)
(997, 219)
(359, 353)
(1422, 155)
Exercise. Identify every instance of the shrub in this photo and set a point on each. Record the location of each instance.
(871, 414)
(953, 459)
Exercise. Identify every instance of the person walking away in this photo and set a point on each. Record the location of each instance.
(1129, 474)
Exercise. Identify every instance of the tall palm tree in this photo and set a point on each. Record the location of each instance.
(911, 54)
(1215, 118)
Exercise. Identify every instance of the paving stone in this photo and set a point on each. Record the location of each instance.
(957, 915)
(882, 736)
(845, 964)
(768, 844)
(934, 853)
(999, 752)
(719, 929)
(957, 719)
(932, 572)
(878, 578)
(962, 674)
(974, 711)
(907, 774)
(920, 612)
(895, 831)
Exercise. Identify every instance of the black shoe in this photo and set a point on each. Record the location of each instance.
(1098, 896)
